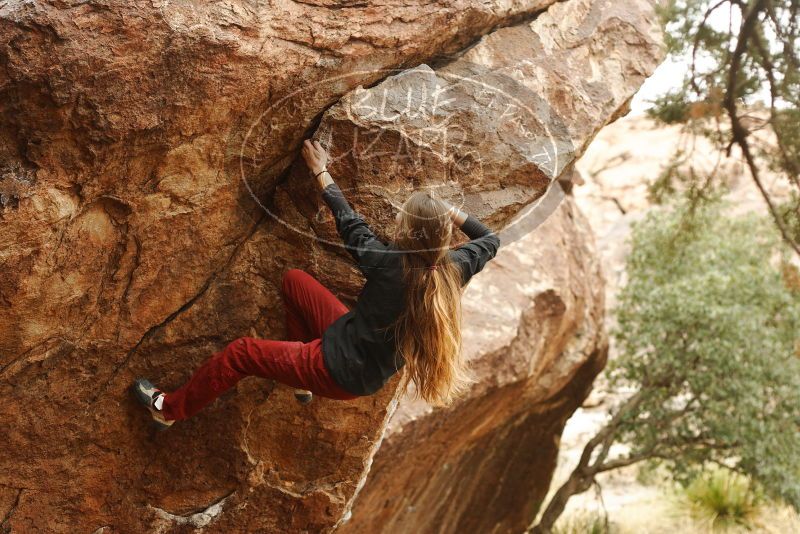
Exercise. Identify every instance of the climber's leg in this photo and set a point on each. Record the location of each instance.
(243, 357)
(294, 363)
(310, 307)
(296, 328)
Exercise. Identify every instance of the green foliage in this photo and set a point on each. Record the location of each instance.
(707, 332)
(670, 108)
(768, 61)
(583, 522)
(651, 473)
(675, 181)
(722, 498)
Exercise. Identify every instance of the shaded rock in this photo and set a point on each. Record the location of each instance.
(145, 147)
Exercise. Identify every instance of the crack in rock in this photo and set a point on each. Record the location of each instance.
(4, 523)
(184, 307)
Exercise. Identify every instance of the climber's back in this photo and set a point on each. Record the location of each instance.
(408, 313)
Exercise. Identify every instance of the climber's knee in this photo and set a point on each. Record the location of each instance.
(238, 346)
(236, 354)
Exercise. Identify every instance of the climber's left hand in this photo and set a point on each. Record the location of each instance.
(316, 157)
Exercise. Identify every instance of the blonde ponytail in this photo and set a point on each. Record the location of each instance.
(428, 331)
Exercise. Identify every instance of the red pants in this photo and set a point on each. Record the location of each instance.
(310, 309)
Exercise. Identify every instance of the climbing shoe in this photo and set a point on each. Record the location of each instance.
(303, 396)
(147, 394)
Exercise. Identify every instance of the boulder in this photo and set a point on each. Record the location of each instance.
(127, 231)
(148, 216)
(128, 127)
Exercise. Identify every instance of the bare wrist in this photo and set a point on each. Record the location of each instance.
(456, 215)
(323, 178)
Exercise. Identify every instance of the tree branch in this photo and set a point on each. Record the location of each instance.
(738, 131)
(696, 44)
(788, 164)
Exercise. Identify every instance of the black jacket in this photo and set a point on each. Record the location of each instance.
(359, 348)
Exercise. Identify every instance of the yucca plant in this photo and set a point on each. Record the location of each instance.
(722, 498)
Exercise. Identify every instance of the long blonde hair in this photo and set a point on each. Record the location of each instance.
(428, 331)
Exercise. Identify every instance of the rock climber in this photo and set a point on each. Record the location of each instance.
(407, 315)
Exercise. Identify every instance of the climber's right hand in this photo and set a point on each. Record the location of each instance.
(315, 156)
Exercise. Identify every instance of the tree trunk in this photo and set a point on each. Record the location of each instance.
(582, 476)
(578, 482)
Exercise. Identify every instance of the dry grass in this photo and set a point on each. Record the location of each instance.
(651, 505)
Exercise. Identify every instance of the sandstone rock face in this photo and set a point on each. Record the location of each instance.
(534, 333)
(147, 219)
(124, 125)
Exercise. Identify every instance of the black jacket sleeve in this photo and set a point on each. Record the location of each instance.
(481, 248)
(357, 236)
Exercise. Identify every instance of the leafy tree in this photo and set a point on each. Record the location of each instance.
(742, 90)
(707, 332)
